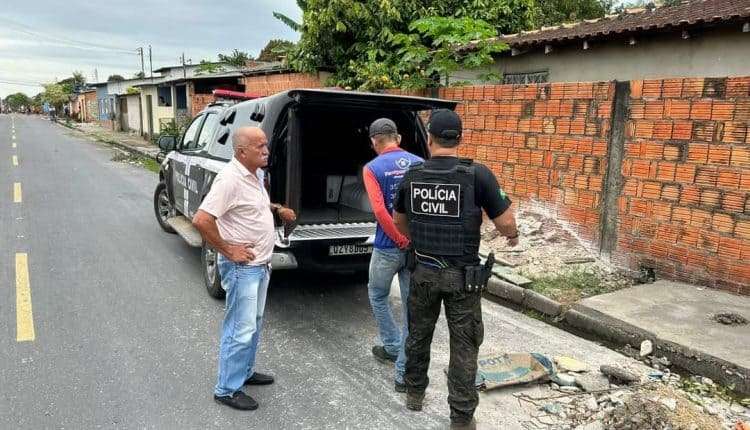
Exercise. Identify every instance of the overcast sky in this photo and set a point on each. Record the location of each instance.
(45, 40)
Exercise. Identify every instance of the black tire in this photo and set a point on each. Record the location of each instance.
(163, 208)
(211, 275)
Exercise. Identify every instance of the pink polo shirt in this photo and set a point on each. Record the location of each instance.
(241, 206)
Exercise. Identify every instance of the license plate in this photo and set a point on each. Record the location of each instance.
(349, 250)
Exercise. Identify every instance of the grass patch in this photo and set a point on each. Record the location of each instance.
(571, 286)
(150, 164)
(145, 162)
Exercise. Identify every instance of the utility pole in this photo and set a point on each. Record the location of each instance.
(96, 75)
(140, 51)
(150, 63)
(184, 70)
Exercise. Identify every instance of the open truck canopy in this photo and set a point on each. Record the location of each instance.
(368, 100)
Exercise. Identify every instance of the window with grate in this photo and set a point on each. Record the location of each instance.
(526, 78)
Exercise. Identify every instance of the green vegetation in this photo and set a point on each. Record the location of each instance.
(274, 49)
(237, 58)
(569, 287)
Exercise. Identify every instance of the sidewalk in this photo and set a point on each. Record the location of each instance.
(681, 321)
(125, 141)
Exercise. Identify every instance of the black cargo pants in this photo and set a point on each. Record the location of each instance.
(463, 310)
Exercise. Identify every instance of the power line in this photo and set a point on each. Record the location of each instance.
(21, 28)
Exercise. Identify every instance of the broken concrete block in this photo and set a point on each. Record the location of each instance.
(646, 348)
(569, 364)
(619, 374)
(592, 382)
(563, 380)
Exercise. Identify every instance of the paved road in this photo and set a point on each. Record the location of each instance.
(124, 336)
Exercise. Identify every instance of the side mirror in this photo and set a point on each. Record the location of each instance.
(167, 143)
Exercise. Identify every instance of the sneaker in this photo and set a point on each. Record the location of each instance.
(414, 401)
(259, 379)
(380, 353)
(471, 425)
(238, 400)
(400, 387)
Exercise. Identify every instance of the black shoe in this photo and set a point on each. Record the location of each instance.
(400, 387)
(471, 425)
(259, 379)
(380, 352)
(414, 401)
(238, 400)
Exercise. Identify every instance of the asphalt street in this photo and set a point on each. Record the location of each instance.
(112, 327)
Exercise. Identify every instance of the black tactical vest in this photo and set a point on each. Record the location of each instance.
(443, 217)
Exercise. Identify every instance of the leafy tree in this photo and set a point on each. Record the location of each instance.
(208, 67)
(55, 94)
(358, 38)
(237, 58)
(552, 12)
(115, 78)
(18, 100)
(274, 48)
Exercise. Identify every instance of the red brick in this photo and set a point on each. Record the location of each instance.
(662, 130)
(692, 87)
(662, 211)
(630, 187)
(652, 150)
(652, 88)
(665, 171)
(722, 223)
(651, 190)
(644, 129)
(636, 89)
(738, 87)
(718, 155)
(706, 176)
(710, 197)
(697, 153)
(668, 234)
(730, 248)
(672, 88)
(689, 195)
(689, 237)
(734, 132)
(742, 229)
(670, 192)
(700, 218)
(681, 215)
(685, 173)
(640, 169)
(701, 109)
(677, 109)
(733, 202)
(728, 179)
(722, 110)
(682, 130)
(640, 207)
(740, 156)
(704, 130)
(653, 109)
(709, 241)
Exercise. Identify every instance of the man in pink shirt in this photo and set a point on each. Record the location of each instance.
(236, 219)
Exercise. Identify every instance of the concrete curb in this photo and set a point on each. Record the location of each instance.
(129, 149)
(622, 333)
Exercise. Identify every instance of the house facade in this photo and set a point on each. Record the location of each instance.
(692, 39)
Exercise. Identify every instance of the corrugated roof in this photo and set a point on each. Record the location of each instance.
(687, 14)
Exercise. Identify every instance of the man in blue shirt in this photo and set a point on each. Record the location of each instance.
(382, 177)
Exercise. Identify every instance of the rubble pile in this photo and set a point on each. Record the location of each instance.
(619, 398)
(547, 247)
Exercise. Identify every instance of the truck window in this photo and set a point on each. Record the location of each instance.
(208, 129)
(190, 138)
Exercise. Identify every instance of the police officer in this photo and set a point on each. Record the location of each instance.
(439, 207)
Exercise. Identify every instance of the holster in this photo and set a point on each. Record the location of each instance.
(478, 276)
(411, 258)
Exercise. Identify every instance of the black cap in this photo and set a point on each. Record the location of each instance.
(445, 123)
(383, 126)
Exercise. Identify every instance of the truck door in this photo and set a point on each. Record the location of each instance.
(201, 168)
(181, 163)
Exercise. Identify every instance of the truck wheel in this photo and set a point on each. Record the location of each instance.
(210, 263)
(163, 207)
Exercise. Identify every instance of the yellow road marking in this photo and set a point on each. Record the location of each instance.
(14, 144)
(17, 198)
(15, 160)
(24, 315)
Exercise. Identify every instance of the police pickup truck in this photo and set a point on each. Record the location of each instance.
(318, 143)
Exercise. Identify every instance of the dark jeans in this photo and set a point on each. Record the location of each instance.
(463, 311)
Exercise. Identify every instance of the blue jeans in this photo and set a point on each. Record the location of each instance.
(385, 263)
(246, 288)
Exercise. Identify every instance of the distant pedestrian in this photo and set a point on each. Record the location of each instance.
(236, 219)
(440, 206)
(382, 178)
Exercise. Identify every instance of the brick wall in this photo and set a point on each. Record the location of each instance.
(272, 84)
(546, 143)
(685, 205)
(198, 102)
